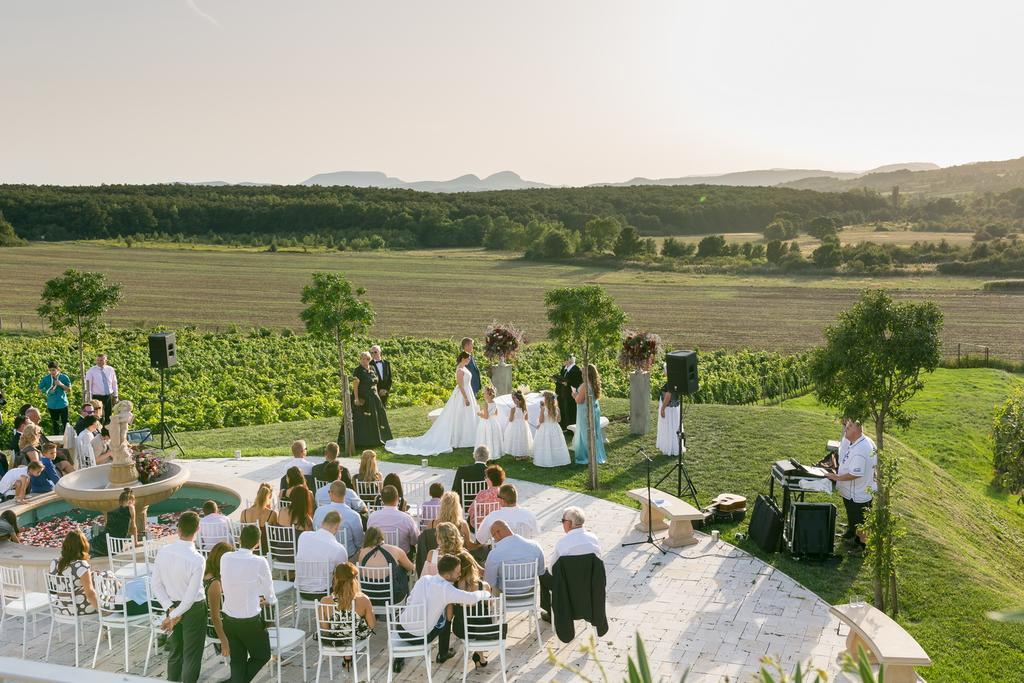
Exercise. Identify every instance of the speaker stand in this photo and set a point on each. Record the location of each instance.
(679, 468)
(167, 438)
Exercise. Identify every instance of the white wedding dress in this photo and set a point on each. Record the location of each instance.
(455, 427)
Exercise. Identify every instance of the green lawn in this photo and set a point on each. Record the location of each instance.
(964, 550)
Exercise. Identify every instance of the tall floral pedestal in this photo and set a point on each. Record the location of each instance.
(639, 402)
(501, 378)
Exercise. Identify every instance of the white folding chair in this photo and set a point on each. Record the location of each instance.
(519, 588)
(469, 491)
(372, 507)
(283, 640)
(283, 503)
(236, 533)
(401, 648)
(483, 630)
(210, 628)
(157, 614)
(332, 621)
(342, 535)
(390, 536)
(113, 614)
(377, 586)
(311, 576)
(319, 484)
(368, 490)
(122, 558)
(281, 543)
(19, 603)
(478, 511)
(428, 515)
(521, 529)
(415, 495)
(211, 534)
(63, 610)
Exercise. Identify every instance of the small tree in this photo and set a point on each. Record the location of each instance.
(628, 242)
(1008, 444)
(336, 312)
(599, 234)
(77, 301)
(871, 365)
(585, 320)
(711, 246)
(8, 237)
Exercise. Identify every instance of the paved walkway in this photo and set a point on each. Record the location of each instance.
(712, 609)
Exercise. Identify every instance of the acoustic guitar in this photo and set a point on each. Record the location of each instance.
(728, 502)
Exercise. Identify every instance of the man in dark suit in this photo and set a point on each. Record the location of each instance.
(331, 451)
(474, 371)
(569, 379)
(474, 472)
(19, 423)
(383, 370)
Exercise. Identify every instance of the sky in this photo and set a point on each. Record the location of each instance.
(560, 91)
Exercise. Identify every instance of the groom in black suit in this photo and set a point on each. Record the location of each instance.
(474, 371)
(569, 379)
(383, 370)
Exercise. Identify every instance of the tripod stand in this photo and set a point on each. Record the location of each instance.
(167, 438)
(680, 466)
(650, 509)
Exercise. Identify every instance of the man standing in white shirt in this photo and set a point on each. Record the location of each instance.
(433, 594)
(245, 580)
(520, 520)
(319, 546)
(299, 459)
(855, 481)
(177, 583)
(101, 384)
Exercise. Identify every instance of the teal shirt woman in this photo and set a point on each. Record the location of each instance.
(579, 444)
(55, 385)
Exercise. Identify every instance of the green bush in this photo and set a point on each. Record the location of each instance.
(1008, 438)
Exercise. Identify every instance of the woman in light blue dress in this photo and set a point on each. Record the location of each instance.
(579, 443)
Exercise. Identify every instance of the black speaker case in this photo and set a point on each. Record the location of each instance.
(811, 529)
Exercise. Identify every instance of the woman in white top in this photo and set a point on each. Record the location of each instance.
(455, 427)
(668, 423)
(549, 448)
(490, 427)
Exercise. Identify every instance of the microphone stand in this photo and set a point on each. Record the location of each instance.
(650, 509)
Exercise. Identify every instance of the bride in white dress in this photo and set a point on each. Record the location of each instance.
(455, 427)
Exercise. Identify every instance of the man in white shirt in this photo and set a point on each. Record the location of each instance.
(101, 384)
(177, 584)
(83, 444)
(855, 481)
(214, 527)
(432, 594)
(519, 520)
(577, 540)
(245, 581)
(299, 459)
(350, 519)
(390, 518)
(16, 482)
(319, 546)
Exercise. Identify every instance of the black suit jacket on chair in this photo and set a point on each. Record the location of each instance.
(474, 472)
(578, 591)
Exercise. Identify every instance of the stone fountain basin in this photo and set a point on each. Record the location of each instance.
(90, 487)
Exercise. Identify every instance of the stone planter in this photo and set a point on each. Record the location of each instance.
(501, 378)
(639, 402)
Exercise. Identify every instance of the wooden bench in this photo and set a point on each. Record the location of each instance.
(604, 425)
(665, 511)
(885, 641)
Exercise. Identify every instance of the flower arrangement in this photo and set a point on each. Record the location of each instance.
(638, 351)
(502, 342)
(150, 469)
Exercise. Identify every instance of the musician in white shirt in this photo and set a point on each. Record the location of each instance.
(855, 480)
(101, 384)
(246, 581)
(177, 583)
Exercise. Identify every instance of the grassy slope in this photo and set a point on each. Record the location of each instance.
(964, 553)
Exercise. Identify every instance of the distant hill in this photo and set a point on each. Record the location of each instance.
(767, 177)
(982, 176)
(504, 180)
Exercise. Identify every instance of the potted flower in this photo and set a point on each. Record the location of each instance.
(636, 356)
(501, 344)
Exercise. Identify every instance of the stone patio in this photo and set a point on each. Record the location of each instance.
(711, 608)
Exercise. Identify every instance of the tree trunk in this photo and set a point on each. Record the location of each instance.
(591, 435)
(346, 401)
(880, 431)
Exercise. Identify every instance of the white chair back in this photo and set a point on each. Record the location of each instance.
(281, 543)
(376, 583)
(428, 515)
(342, 535)
(519, 588)
(390, 536)
(283, 503)
(16, 602)
(336, 637)
(61, 592)
(478, 511)
(524, 530)
(469, 491)
(282, 639)
(120, 552)
(213, 533)
(415, 494)
(399, 647)
(368, 490)
(319, 484)
(312, 576)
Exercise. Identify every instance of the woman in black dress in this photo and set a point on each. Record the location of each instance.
(369, 421)
(120, 523)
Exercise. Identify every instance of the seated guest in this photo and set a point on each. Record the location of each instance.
(9, 527)
(84, 443)
(577, 540)
(376, 553)
(213, 589)
(429, 509)
(31, 436)
(246, 584)
(451, 512)
(45, 480)
(261, 511)
(299, 458)
(393, 480)
(331, 452)
(475, 472)
(448, 542)
(101, 448)
(390, 518)
(510, 548)
(350, 519)
(518, 519)
(120, 523)
(323, 494)
(56, 463)
(214, 527)
(85, 411)
(296, 515)
(74, 562)
(368, 473)
(470, 579)
(293, 479)
(346, 594)
(15, 484)
(495, 478)
(433, 594)
(319, 546)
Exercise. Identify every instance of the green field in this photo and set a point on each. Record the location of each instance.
(896, 235)
(452, 293)
(964, 550)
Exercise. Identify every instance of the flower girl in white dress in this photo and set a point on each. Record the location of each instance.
(518, 440)
(549, 449)
(489, 427)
